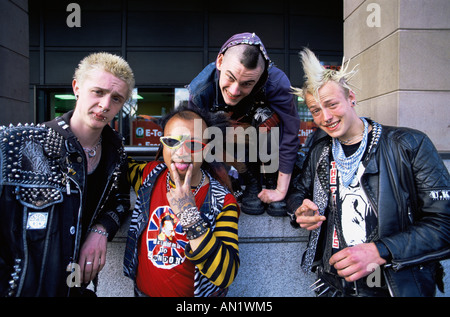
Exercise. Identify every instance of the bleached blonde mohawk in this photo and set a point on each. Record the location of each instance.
(316, 75)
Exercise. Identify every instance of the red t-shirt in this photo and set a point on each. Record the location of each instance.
(163, 269)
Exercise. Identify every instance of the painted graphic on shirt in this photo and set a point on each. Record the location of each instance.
(358, 218)
(166, 240)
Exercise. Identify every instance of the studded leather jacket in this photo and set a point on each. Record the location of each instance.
(408, 186)
(43, 179)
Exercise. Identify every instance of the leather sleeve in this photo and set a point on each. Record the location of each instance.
(301, 186)
(281, 100)
(426, 233)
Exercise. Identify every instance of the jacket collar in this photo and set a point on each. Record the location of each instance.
(112, 139)
(370, 164)
(63, 126)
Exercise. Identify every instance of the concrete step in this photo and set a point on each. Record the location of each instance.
(270, 253)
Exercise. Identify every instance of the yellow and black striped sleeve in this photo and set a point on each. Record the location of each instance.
(217, 256)
(135, 173)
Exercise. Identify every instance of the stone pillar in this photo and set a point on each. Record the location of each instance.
(403, 51)
(14, 63)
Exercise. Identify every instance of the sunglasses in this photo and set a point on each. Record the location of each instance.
(174, 142)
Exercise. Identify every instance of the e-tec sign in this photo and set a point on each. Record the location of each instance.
(146, 132)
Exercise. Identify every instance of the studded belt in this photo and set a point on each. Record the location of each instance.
(331, 285)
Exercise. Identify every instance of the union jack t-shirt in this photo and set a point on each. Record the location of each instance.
(163, 269)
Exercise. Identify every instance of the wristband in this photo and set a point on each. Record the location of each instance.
(103, 233)
(196, 230)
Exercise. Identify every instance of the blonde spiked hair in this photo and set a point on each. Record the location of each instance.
(316, 75)
(111, 63)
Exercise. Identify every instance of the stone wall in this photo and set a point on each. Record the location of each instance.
(402, 48)
(14, 63)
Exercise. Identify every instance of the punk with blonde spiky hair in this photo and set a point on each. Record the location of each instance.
(330, 99)
(316, 75)
(359, 181)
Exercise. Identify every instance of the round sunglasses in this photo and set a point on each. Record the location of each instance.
(174, 142)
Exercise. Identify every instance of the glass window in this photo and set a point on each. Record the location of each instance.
(60, 103)
(140, 116)
(307, 125)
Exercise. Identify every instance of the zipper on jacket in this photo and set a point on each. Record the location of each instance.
(25, 252)
(365, 188)
(397, 265)
(44, 257)
(103, 199)
(78, 229)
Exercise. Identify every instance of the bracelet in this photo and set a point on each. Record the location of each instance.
(196, 230)
(103, 233)
(189, 216)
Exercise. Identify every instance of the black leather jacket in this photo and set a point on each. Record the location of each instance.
(43, 175)
(409, 187)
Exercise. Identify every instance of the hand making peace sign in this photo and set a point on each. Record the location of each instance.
(180, 198)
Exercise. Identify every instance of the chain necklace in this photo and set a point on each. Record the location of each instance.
(351, 139)
(92, 152)
(196, 189)
(345, 142)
